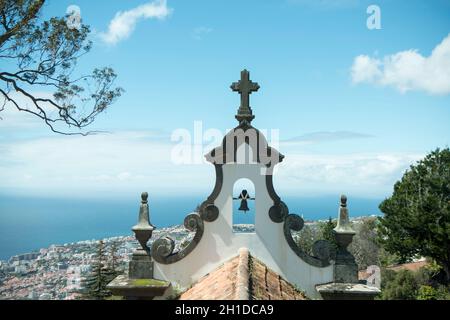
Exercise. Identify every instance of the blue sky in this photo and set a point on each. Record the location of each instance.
(354, 107)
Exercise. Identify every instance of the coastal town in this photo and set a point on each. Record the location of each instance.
(57, 272)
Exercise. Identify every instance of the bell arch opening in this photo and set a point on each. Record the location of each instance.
(244, 197)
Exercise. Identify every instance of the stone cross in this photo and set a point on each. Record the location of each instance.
(245, 87)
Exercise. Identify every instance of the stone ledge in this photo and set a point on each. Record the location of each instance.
(347, 291)
(138, 288)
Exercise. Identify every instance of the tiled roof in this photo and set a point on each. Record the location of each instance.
(242, 278)
(413, 266)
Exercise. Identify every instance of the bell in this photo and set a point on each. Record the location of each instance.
(244, 205)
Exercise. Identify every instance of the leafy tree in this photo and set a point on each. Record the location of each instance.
(326, 231)
(387, 259)
(400, 285)
(42, 56)
(427, 292)
(95, 284)
(306, 238)
(364, 246)
(412, 285)
(114, 259)
(416, 218)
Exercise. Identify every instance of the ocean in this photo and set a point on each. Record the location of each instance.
(28, 224)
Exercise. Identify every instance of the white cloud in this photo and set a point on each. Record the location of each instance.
(407, 70)
(96, 165)
(10, 117)
(124, 22)
(358, 174)
(132, 162)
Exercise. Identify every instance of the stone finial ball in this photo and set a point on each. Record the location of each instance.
(343, 200)
(144, 196)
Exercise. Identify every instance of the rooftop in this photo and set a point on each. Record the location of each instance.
(243, 278)
(412, 266)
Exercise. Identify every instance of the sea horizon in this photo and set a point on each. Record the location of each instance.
(29, 224)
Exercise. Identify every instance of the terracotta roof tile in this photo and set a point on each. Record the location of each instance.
(413, 266)
(241, 278)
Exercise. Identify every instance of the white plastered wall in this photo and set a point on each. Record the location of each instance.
(268, 244)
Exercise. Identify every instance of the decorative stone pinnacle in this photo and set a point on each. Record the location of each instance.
(245, 87)
(143, 229)
(343, 223)
(343, 200)
(345, 268)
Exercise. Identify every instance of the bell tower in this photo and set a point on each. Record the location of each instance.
(243, 154)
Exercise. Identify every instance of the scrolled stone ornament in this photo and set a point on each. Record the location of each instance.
(192, 222)
(295, 222)
(209, 212)
(278, 212)
(162, 248)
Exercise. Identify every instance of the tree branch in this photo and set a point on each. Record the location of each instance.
(31, 14)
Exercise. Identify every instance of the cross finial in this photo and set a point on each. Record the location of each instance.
(245, 87)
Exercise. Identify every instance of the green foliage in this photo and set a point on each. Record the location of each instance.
(400, 285)
(387, 259)
(364, 246)
(43, 56)
(326, 231)
(310, 234)
(102, 274)
(148, 282)
(306, 238)
(113, 261)
(409, 285)
(429, 293)
(416, 218)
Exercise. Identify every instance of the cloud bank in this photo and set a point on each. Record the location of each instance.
(124, 22)
(407, 70)
(126, 163)
(362, 174)
(97, 165)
